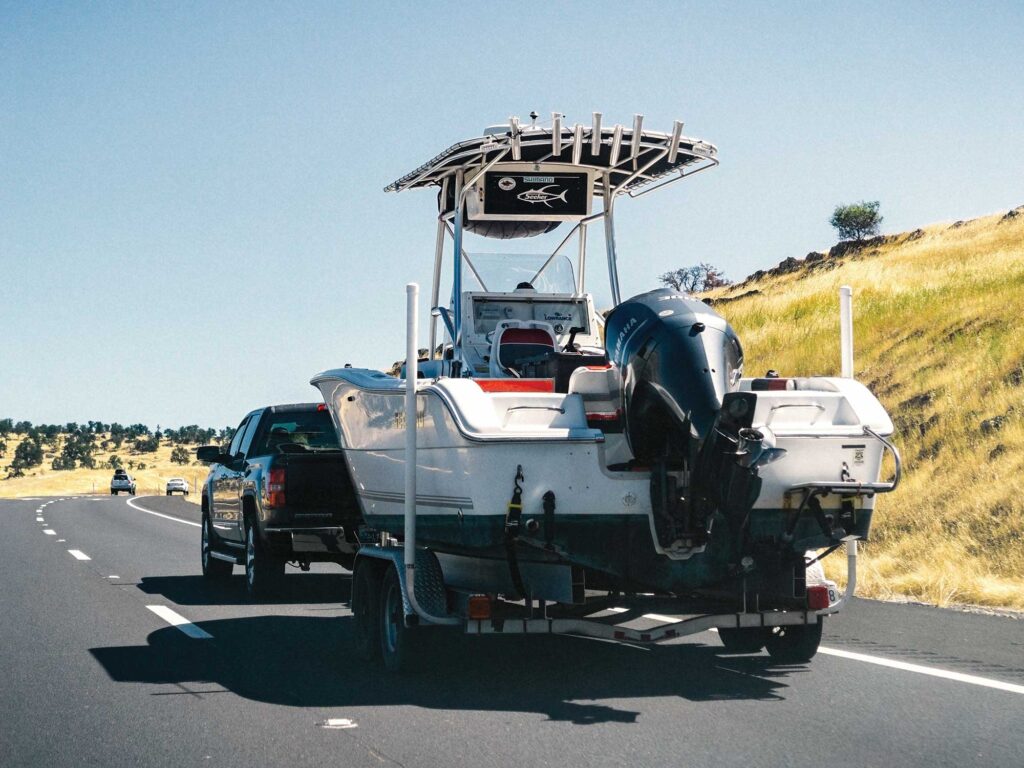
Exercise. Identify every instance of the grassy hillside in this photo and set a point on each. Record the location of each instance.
(43, 481)
(939, 338)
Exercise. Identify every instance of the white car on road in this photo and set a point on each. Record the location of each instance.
(177, 485)
(122, 481)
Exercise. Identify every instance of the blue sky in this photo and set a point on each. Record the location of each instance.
(191, 215)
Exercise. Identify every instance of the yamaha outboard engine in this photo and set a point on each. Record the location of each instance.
(678, 359)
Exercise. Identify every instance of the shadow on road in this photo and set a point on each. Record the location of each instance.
(295, 588)
(305, 662)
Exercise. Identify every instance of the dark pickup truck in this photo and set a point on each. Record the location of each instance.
(280, 492)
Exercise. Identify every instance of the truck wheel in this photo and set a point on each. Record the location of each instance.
(366, 610)
(263, 571)
(796, 644)
(399, 644)
(750, 640)
(213, 568)
(113, 493)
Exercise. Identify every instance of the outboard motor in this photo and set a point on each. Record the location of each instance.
(678, 359)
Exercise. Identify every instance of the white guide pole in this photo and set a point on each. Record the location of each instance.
(846, 330)
(412, 291)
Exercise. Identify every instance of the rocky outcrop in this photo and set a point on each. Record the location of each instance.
(1012, 214)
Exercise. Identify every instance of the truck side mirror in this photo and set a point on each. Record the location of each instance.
(211, 454)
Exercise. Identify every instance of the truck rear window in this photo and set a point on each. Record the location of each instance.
(309, 429)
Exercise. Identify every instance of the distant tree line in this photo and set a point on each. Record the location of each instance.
(80, 443)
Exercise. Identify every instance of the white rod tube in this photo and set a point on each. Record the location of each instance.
(846, 330)
(412, 291)
(595, 135)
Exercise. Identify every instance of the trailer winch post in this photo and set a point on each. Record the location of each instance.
(412, 354)
(846, 330)
(851, 579)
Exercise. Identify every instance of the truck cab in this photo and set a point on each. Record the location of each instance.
(279, 493)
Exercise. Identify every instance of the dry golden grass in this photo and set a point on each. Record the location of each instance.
(939, 338)
(43, 481)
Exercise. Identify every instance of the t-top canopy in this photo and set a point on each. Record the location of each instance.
(630, 158)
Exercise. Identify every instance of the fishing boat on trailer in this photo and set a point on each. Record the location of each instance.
(558, 447)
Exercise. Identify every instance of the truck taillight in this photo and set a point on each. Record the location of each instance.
(275, 488)
(817, 598)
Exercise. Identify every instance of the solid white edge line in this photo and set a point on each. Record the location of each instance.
(161, 514)
(79, 554)
(920, 669)
(178, 621)
(960, 677)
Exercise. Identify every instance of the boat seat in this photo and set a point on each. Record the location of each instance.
(516, 340)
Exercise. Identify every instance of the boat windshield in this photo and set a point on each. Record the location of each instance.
(503, 272)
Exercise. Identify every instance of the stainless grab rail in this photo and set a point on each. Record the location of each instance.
(853, 487)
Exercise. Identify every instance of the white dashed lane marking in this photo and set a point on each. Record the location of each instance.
(79, 554)
(178, 621)
(49, 532)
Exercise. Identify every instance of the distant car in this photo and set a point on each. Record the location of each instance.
(177, 485)
(122, 481)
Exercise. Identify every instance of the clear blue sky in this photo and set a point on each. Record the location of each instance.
(191, 215)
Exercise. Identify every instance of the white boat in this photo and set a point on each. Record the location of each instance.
(628, 446)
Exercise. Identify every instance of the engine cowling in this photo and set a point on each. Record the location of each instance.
(678, 359)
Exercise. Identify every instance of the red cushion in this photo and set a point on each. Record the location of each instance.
(516, 385)
(526, 336)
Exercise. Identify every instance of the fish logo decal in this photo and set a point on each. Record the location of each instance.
(542, 195)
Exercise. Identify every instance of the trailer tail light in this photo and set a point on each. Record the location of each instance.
(479, 607)
(817, 598)
(275, 488)
(321, 407)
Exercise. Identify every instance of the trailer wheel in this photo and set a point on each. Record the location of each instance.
(796, 644)
(399, 644)
(366, 610)
(750, 640)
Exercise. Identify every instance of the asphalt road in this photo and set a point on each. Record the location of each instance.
(93, 676)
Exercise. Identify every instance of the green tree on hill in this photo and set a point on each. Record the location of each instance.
(28, 454)
(180, 455)
(856, 221)
(77, 451)
(146, 445)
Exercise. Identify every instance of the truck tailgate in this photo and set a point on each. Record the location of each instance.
(318, 490)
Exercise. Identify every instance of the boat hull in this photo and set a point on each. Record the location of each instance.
(471, 446)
